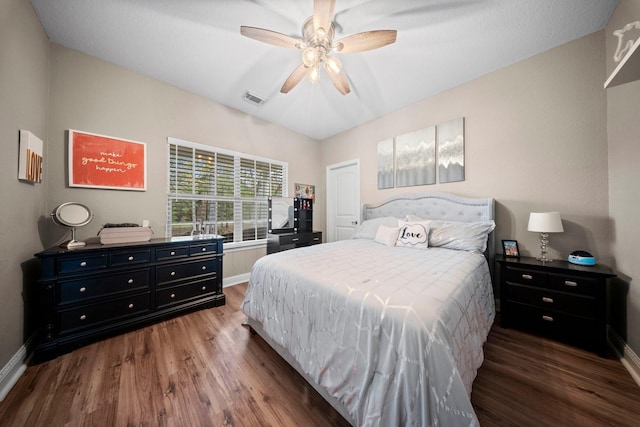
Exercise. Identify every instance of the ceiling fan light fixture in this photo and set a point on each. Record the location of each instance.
(318, 32)
(310, 57)
(314, 74)
(332, 65)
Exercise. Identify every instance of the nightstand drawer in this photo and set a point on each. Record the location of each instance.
(526, 277)
(546, 299)
(574, 284)
(554, 324)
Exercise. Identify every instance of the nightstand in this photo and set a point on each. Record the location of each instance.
(557, 299)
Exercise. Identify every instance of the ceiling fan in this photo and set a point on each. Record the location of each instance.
(317, 45)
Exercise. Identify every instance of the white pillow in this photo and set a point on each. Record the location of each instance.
(387, 235)
(413, 234)
(368, 229)
(464, 236)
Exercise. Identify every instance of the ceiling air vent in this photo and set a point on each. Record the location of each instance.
(252, 98)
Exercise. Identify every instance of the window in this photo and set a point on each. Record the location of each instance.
(222, 192)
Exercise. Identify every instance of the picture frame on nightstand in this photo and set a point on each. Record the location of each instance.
(510, 249)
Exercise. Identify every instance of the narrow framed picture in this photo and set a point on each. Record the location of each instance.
(510, 248)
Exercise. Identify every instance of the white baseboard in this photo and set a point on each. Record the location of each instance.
(13, 370)
(627, 356)
(235, 280)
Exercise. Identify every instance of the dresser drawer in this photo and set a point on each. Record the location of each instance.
(172, 253)
(292, 239)
(128, 258)
(546, 299)
(208, 249)
(574, 284)
(95, 286)
(79, 264)
(179, 294)
(526, 277)
(92, 314)
(173, 272)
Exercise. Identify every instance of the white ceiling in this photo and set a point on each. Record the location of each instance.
(196, 45)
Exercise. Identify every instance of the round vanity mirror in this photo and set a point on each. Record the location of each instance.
(72, 214)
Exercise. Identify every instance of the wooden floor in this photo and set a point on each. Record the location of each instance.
(204, 369)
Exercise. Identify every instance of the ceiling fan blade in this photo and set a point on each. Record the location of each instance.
(295, 77)
(271, 37)
(365, 41)
(340, 81)
(323, 13)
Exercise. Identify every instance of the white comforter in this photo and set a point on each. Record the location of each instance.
(394, 334)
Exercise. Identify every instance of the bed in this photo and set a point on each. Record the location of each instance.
(387, 328)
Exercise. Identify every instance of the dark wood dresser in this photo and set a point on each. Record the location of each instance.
(556, 299)
(285, 241)
(89, 293)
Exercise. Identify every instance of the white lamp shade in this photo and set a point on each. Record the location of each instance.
(545, 222)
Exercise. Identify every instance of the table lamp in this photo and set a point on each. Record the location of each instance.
(545, 223)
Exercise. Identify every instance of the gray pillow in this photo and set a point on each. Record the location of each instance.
(464, 236)
(368, 229)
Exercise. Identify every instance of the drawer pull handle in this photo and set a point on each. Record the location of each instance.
(295, 240)
(204, 249)
(130, 305)
(204, 288)
(130, 281)
(173, 273)
(83, 289)
(83, 264)
(570, 283)
(172, 253)
(527, 276)
(173, 295)
(83, 317)
(547, 299)
(204, 267)
(131, 258)
(547, 318)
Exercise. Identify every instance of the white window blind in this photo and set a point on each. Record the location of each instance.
(222, 192)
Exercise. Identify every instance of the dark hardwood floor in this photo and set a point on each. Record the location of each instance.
(205, 369)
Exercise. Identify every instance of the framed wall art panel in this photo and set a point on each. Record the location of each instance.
(98, 161)
(451, 151)
(416, 158)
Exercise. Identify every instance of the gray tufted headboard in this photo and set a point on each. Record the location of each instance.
(433, 205)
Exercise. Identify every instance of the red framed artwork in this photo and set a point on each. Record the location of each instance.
(98, 161)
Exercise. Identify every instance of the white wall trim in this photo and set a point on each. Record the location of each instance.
(627, 356)
(13, 370)
(235, 280)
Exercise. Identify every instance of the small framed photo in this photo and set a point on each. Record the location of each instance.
(510, 248)
(305, 191)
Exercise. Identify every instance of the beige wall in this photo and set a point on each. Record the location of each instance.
(94, 96)
(535, 140)
(623, 117)
(24, 67)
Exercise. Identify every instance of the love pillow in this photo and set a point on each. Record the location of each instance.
(413, 234)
